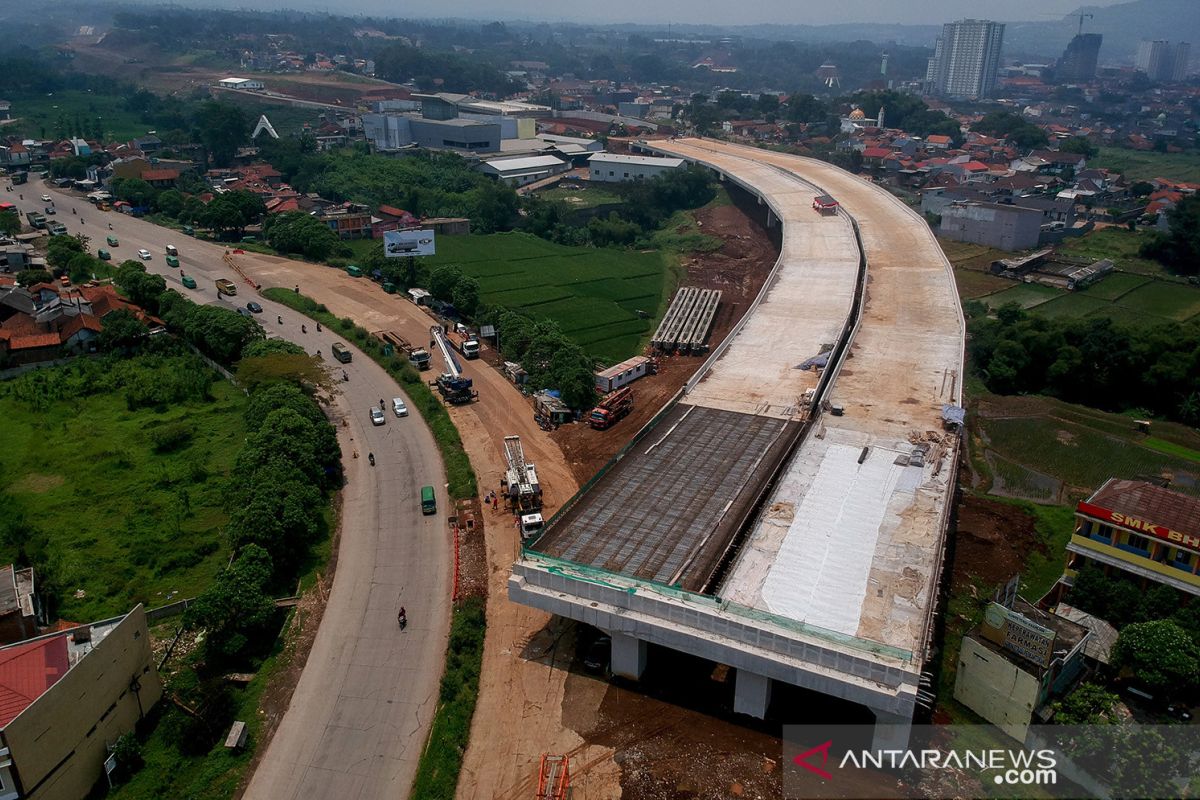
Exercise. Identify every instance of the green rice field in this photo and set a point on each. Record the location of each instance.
(608, 300)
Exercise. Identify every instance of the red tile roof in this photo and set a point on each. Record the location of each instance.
(1150, 503)
(33, 341)
(876, 152)
(27, 671)
(160, 175)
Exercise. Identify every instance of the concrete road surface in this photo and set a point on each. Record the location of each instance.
(361, 712)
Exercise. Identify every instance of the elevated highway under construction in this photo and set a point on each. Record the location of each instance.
(786, 513)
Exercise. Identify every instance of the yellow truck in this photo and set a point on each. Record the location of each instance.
(226, 287)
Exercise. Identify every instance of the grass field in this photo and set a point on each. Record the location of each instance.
(1026, 295)
(1114, 286)
(1120, 245)
(39, 115)
(125, 524)
(1140, 165)
(590, 197)
(1083, 447)
(973, 283)
(606, 299)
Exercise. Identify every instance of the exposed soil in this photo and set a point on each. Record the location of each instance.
(472, 576)
(992, 540)
(738, 269)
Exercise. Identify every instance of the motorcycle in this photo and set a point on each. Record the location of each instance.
(345, 377)
(318, 327)
(402, 618)
(371, 458)
(304, 329)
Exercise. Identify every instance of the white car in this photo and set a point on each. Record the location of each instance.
(377, 417)
(46, 199)
(399, 407)
(144, 254)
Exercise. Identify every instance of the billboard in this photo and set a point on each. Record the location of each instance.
(408, 243)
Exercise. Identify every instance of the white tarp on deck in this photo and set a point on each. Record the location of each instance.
(820, 575)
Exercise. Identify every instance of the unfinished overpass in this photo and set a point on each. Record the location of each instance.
(786, 513)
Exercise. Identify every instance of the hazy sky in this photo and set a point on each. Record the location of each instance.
(723, 12)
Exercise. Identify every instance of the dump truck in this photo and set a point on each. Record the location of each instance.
(522, 491)
(36, 219)
(464, 342)
(418, 356)
(611, 408)
(225, 287)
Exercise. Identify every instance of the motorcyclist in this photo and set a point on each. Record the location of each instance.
(345, 377)
(402, 618)
(279, 318)
(318, 327)
(371, 458)
(110, 226)
(381, 404)
(73, 211)
(304, 329)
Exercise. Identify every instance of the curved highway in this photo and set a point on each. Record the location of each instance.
(361, 712)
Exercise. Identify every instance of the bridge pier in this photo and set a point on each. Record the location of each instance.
(628, 656)
(751, 694)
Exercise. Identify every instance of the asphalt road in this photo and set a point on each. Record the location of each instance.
(361, 712)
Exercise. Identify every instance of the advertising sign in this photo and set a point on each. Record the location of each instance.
(408, 243)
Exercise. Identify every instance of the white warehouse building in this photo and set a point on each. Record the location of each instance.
(241, 83)
(613, 168)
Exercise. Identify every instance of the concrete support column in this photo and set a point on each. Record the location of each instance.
(891, 731)
(770, 218)
(628, 656)
(751, 694)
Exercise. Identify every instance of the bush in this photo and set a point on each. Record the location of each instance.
(172, 437)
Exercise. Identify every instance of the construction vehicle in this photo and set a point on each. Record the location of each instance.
(522, 492)
(454, 387)
(611, 408)
(554, 778)
(225, 286)
(531, 526)
(419, 357)
(464, 342)
(36, 219)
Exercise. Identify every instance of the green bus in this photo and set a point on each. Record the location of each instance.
(428, 501)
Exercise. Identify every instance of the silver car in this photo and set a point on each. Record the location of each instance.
(377, 417)
(398, 407)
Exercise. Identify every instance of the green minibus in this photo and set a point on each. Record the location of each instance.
(428, 501)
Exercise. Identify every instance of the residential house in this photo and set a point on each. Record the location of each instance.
(348, 221)
(161, 178)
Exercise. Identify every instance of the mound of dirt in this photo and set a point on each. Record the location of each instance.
(991, 542)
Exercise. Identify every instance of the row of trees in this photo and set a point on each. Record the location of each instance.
(551, 360)
(432, 184)
(1179, 248)
(1096, 362)
(645, 206)
(297, 232)
(289, 462)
